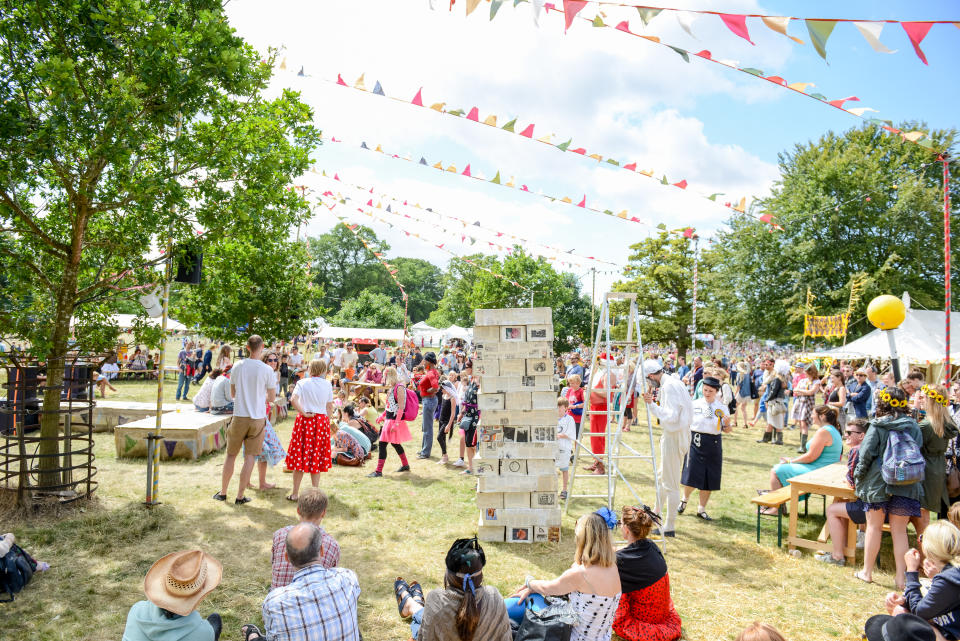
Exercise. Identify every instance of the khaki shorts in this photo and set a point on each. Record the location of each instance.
(244, 430)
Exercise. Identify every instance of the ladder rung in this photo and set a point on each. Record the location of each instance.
(586, 496)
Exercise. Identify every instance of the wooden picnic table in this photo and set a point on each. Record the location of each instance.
(378, 389)
(828, 481)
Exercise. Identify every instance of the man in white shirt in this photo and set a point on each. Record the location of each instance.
(295, 359)
(337, 355)
(253, 384)
(675, 411)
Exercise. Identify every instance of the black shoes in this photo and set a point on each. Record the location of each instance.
(405, 468)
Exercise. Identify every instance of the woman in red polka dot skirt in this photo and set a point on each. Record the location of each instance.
(309, 449)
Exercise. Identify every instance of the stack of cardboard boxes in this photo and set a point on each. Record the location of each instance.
(517, 442)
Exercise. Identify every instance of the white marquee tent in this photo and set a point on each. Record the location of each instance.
(367, 333)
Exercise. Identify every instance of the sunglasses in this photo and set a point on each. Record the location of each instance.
(271, 360)
(849, 432)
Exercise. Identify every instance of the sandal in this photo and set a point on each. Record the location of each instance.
(683, 506)
(291, 497)
(399, 587)
(250, 630)
(857, 575)
(416, 591)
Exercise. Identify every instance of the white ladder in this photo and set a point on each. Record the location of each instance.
(617, 397)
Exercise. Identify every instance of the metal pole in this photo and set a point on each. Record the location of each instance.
(696, 265)
(153, 457)
(944, 158)
(894, 360)
(593, 297)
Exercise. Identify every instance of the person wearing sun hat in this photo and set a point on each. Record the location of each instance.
(703, 467)
(175, 586)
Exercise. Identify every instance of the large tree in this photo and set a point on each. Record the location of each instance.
(468, 287)
(125, 124)
(423, 282)
(344, 266)
(260, 286)
(369, 309)
(859, 206)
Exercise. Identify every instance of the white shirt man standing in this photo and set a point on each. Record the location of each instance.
(337, 355)
(253, 384)
(295, 359)
(675, 411)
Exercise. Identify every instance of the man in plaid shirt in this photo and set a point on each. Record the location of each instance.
(320, 604)
(311, 507)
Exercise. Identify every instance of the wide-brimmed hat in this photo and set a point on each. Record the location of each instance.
(710, 381)
(179, 581)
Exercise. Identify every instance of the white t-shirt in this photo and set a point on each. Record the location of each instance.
(707, 416)
(295, 360)
(349, 360)
(251, 379)
(338, 356)
(220, 392)
(110, 370)
(567, 426)
(314, 394)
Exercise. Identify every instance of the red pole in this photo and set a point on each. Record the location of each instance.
(946, 260)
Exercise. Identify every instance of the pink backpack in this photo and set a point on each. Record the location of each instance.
(412, 408)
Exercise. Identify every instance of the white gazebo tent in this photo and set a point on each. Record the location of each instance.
(455, 331)
(421, 328)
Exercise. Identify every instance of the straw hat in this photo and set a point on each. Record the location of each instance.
(179, 581)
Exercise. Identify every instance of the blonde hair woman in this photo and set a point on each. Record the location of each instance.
(593, 581)
(938, 429)
(310, 443)
(941, 604)
(224, 357)
(395, 430)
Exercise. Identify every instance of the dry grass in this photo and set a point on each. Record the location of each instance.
(403, 525)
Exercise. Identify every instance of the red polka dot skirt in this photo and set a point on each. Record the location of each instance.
(309, 449)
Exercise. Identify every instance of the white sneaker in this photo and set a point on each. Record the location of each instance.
(861, 539)
(460, 463)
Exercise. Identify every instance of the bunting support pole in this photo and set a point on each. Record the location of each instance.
(696, 265)
(593, 296)
(944, 158)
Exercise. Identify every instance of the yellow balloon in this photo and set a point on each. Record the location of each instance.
(886, 312)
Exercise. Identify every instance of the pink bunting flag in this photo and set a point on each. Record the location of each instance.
(738, 25)
(528, 132)
(466, 172)
(688, 232)
(624, 26)
(583, 203)
(524, 188)
(474, 115)
(917, 31)
(340, 81)
(682, 184)
(634, 219)
(632, 166)
(336, 177)
(418, 99)
(579, 150)
(776, 80)
(838, 103)
(766, 218)
(570, 10)
(370, 203)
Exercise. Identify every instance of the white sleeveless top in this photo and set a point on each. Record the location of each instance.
(596, 615)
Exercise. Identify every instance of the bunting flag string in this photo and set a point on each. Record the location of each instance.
(623, 214)
(465, 224)
(442, 246)
(473, 115)
(818, 28)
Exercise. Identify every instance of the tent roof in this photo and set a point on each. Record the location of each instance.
(422, 327)
(362, 332)
(125, 321)
(920, 339)
(455, 331)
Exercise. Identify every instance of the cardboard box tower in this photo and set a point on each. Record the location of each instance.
(517, 441)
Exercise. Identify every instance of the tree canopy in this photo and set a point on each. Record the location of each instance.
(369, 309)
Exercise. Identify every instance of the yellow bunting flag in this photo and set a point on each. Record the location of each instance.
(779, 24)
(491, 120)
(359, 83)
(438, 106)
(801, 86)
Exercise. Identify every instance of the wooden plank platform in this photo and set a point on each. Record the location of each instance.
(186, 434)
(108, 414)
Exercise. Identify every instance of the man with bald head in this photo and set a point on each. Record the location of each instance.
(319, 603)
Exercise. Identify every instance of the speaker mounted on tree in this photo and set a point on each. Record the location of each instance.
(189, 265)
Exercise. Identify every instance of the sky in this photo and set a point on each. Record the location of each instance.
(614, 94)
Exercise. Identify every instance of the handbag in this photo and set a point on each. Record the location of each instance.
(953, 479)
(553, 623)
(342, 458)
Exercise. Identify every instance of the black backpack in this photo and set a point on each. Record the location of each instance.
(368, 430)
(16, 570)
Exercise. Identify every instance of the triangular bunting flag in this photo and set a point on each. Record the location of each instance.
(820, 31)
(359, 83)
(283, 64)
(471, 5)
(474, 115)
(686, 18)
(871, 33)
(494, 7)
(704, 54)
(570, 10)
(363, 145)
(624, 26)
(742, 207)
(632, 166)
(683, 54)
(688, 232)
(596, 157)
(737, 24)
(379, 148)
(439, 165)
(647, 14)
(801, 86)
(456, 112)
(496, 179)
(466, 171)
(418, 99)
(423, 161)
(766, 218)
(170, 446)
(340, 81)
(682, 184)
(917, 31)
(438, 106)
(563, 146)
(528, 132)
(859, 111)
(598, 21)
(579, 150)
(509, 125)
(779, 24)
(838, 103)
(490, 120)
(583, 203)
(377, 89)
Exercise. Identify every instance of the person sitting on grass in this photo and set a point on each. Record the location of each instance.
(350, 426)
(318, 603)
(592, 582)
(941, 563)
(841, 510)
(646, 611)
(344, 448)
(201, 400)
(311, 508)
(103, 382)
(825, 448)
(464, 609)
(366, 411)
(757, 631)
(175, 585)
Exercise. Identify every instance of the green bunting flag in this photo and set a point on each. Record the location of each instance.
(820, 31)
(563, 146)
(509, 125)
(494, 7)
(647, 14)
(496, 179)
(683, 54)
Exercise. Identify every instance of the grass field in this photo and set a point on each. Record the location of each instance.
(402, 525)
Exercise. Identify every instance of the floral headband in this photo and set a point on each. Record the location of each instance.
(892, 402)
(935, 395)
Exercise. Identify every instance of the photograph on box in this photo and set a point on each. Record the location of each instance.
(543, 434)
(491, 514)
(520, 534)
(514, 466)
(482, 468)
(513, 434)
(513, 333)
(546, 534)
(544, 499)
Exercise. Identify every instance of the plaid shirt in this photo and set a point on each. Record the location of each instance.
(282, 570)
(320, 604)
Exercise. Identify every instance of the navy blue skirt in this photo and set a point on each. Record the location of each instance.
(703, 465)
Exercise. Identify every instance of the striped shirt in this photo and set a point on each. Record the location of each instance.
(282, 570)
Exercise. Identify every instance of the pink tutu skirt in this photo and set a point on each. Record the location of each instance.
(395, 431)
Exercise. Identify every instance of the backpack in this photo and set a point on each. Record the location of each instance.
(368, 430)
(412, 408)
(16, 570)
(732, 405)
(903, 463)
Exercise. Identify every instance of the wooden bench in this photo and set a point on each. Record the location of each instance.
(776, 499)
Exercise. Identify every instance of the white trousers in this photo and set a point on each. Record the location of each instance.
(673, 448)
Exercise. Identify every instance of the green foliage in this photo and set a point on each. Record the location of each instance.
(255, 287)
(852, 205)
(423, 282)
(343, 266)
(369, 309)
(467, 287)
(660, 272)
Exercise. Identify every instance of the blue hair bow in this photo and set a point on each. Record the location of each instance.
(609, 517)
(468, 580)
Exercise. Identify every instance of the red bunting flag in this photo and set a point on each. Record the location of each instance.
(528, 132)
(418, 99)
(839, 101)
(688, 232)
(738, 25)
(579, 150)
(474, 115)
(336, 177)
(682, 184)
(917, 31)
(704, 54)
(624, 26)
(766, 218)
(632, 166)
(570, 10)
(370, 203)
